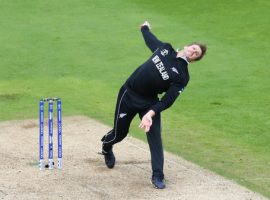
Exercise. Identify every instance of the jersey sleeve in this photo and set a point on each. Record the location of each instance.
(150, 39)
(169, 98)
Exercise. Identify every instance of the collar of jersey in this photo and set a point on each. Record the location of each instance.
(183, 57)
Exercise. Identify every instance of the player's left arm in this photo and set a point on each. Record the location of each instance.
(150, 39)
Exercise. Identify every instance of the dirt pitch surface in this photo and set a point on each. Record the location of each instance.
(84, 175)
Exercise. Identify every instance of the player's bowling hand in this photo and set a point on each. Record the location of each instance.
(146, 122)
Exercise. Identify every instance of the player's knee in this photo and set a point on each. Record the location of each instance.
(121, 135)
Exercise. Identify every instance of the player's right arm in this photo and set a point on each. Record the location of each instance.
(150, 39)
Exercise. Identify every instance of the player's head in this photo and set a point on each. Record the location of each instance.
(194, 51)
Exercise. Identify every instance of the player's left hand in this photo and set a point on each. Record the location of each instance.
(146, 23)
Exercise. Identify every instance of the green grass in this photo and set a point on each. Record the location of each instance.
(82, 51)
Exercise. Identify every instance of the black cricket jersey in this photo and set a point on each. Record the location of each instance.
(162, 72)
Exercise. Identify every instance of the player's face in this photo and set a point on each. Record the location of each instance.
(192, 52)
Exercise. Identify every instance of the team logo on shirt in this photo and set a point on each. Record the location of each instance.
(164, 52)
(160, 66)
(174, 70)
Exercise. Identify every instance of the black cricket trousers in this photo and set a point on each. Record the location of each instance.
(128, 105)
